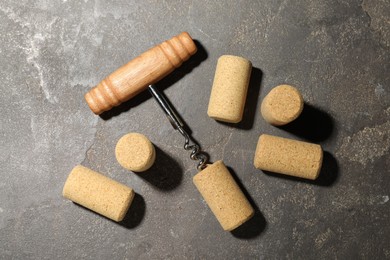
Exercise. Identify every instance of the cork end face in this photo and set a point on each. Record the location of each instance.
(128, 201)
(318, 166)
(210, 168)
(282, 105)
(256, 160)
(66, 191)
(135, 152)
(245, 219)
(240, 61)
(221, 118)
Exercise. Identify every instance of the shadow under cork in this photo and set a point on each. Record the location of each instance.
(134, 215)
(165, 174)
(329, 173)
(313, 124)
(254, 226)
(179, 73)
(252, 97)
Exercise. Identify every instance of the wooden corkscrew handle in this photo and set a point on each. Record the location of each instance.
(135, 76)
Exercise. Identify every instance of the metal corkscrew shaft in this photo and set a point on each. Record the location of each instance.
(190, 144)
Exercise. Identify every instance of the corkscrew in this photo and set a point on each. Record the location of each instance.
(190, 144)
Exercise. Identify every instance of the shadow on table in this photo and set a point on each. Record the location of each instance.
(165, 174)
(313, 124)
(329, 173)
(200, 56)
(254, 226)
(135, 214)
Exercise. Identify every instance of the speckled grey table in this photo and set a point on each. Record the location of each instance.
(335, 52)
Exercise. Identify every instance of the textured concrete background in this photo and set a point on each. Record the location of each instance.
(335, 52)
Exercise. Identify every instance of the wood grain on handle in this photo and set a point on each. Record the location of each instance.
(135, 76)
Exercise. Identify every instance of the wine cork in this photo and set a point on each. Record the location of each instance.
(290, 157)
(282, 105)
(135, 152)
(98, 193)
(223, 196)
(230, 87)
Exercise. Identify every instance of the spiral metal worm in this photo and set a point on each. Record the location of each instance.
(190, 144)
(196, 152)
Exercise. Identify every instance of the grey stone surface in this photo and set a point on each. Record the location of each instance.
(335, 52)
